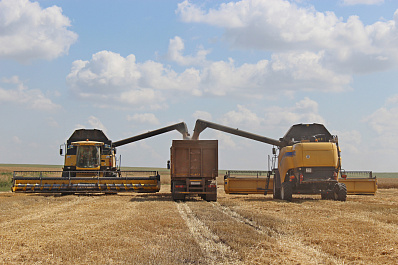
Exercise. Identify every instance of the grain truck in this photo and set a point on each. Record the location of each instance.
(194, 169)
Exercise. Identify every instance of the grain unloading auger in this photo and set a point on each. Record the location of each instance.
(309, 160)
(90, 166)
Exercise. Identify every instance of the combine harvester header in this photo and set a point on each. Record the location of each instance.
(90, 166)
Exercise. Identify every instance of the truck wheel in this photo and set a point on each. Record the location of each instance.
(286, 191)
(276, 192)
(178, 197)
(340, 192)
(211, 197)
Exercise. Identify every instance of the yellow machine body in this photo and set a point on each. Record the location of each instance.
(308, 155)
(244, 185)
(42, 182)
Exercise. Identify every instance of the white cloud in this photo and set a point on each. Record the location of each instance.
(348, 47)
(384, 121)
(304, 111)
(29, 32)
(16, 140)
(175, 53)
(114, 80)
(148, 118)
(22, 95)
(242, 117)
(349, 141)
(94, 123)
(204, 115)
(362, 2)
(108, 77)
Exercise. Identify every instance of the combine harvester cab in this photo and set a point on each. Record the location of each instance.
(90, 167)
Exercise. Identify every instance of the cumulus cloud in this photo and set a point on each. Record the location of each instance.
(111, 78)
(29, 32)
(147, 118)
(384, 121)
(204, 115)
(304, 111)
(272, 26)
(93, 122)
(114, 80)
(362, 2)
(274, 117)
(242, 116)
(18, 93)
(349, 141)
(176, 49)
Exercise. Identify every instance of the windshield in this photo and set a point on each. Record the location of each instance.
(88, 156)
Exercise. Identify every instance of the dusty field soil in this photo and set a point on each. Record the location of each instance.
(237, 229)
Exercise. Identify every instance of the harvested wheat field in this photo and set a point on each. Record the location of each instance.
(237, 229)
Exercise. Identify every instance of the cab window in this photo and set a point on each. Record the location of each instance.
(88, 156)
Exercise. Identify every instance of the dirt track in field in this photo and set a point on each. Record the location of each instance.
(237, 229)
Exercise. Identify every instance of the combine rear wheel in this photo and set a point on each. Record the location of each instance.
(286, 191)
(276, 192)
(340, 192)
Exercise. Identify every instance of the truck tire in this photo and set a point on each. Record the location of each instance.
(287, 191)
(178, 197)
(276, 192)
(340, 192)
(211, 197)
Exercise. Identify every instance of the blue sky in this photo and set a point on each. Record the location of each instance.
(127, 67)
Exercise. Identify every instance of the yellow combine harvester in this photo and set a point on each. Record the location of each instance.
(308, 162)
(90, 166)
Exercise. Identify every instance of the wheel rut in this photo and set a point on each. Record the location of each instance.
(214, 250)
(300, 251)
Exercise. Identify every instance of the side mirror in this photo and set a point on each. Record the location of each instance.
(273, 150)
(61, 149)
(168, 164)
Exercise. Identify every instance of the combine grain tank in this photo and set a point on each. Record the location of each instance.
(194, 169)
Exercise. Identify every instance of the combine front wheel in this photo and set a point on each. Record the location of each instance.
(276, 192)
(286, 191)
(340, 192)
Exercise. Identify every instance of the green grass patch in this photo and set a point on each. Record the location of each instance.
(5, 181)
(391, 175)
(30, 165)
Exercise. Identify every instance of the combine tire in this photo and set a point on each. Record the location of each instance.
(340, 192)
(286, 191)
(276, 192)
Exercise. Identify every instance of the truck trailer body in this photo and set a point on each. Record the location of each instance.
(194, 169)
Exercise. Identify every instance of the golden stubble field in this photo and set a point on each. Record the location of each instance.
(134, 228)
